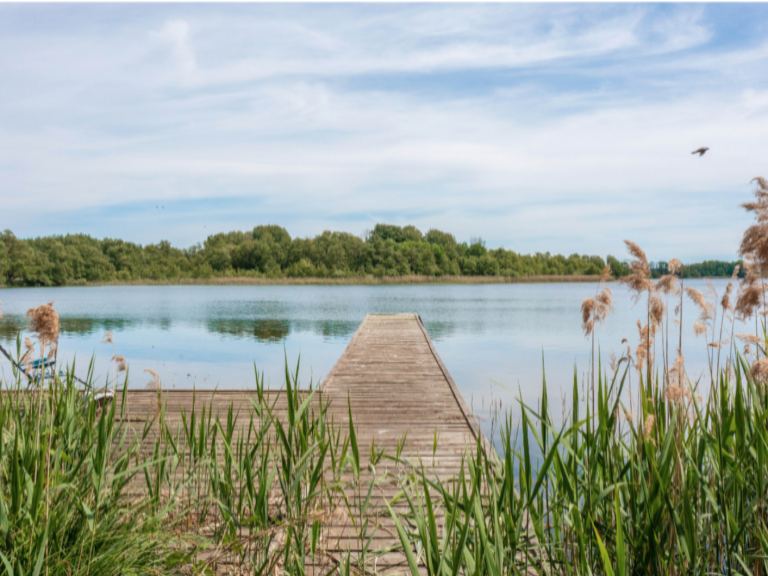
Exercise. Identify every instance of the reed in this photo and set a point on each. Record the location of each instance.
(683, 492)
(84, 491)
(678, 486)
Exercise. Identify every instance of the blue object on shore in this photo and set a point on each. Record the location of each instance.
(37, 364)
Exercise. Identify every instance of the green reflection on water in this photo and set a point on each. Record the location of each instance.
(262, 329)
(270, 330)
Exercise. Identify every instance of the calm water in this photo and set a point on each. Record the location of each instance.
(492, 338)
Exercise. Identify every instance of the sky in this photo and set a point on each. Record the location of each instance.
(536, 127)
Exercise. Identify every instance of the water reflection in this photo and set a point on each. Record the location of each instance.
(263, 330)
(328, 329)
(278, 329)
(440, 330)
(10, 327)
(81, 325)
(268, 330)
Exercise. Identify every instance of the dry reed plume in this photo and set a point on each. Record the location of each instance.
(755, 240)
(754, 250)
(29, 349)
(122, 363)
(639, 280)
(648, 426)
(759, 370)
(44, 321)
(595, 310)
(705, 308)
(155, 383)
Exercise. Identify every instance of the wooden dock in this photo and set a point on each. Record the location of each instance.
(397, 387)
(397, 384)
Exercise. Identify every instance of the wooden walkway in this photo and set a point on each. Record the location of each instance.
(397, 386)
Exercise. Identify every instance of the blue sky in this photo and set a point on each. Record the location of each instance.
(561, 128)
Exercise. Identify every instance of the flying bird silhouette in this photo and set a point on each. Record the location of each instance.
(700, 151)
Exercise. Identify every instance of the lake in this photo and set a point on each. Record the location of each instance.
(492, 338)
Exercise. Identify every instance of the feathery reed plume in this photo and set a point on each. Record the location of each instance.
(52, 352)
(707, 318)
(750, 293)
(639, 280)
(627, 354)
(749, 338)
(45, 322)
(667, 284)
(749, 299)
(705, 307)
(587, 308)
(594, 311)
(754, 249)
(725, 302)
(122, 363)
(643, 353)
(755, 240)
(648, 426)
(759, 370)
(674, 393)
(676, 374)
(29, 348)
(606, 274)
(108, 339)
(656, 311)
(604, 303)
(155, 383)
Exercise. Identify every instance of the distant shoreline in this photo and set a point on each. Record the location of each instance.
(351, 281)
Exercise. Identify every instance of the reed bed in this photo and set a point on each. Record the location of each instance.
(86, 491)
(671, 478)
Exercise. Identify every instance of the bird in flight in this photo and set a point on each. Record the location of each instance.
(700, 151)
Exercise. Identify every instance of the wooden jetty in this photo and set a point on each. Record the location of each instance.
(397, 386)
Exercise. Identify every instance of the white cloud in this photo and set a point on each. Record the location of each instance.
(176, 33)
(541, 128)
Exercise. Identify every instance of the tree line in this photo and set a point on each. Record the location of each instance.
(269, 251)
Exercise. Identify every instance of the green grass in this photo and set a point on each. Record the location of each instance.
(82, 492)
(254, 489)
(603, 499)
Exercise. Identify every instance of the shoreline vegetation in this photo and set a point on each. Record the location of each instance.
(348, 281)
(388, 254)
